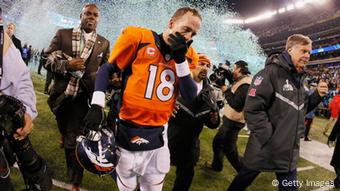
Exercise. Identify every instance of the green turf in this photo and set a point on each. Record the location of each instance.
(45, 140)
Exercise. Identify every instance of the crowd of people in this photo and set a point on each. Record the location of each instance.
(165, 99)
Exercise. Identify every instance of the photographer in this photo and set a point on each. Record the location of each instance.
(17, 109)
(186, 124)
(225, 140)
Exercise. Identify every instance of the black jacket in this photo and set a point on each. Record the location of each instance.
(185, 128)
(275, 108)
(17, 43)
(335, 135)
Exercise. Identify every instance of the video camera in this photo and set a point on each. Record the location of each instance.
(32, 166)
(220, 74)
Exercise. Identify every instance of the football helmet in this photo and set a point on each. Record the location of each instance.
(97, 151)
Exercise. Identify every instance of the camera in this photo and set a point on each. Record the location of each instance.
(220, 74)
(31, 165)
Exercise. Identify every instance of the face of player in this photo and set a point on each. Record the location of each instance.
(187, 25)
(201, 71)
(89, 18)
(300, 55)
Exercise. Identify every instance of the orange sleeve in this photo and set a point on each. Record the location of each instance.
(124, 51)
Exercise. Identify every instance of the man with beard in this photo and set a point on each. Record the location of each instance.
(187, 123)
(73, 57)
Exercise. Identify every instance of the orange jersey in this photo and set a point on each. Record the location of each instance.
(152, 88)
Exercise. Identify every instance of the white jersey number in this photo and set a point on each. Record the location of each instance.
(167, 81)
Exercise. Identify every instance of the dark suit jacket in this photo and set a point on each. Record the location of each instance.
(99, 55)
(17, 43)
(63, 41)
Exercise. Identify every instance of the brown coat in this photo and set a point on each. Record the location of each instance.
(63, 41)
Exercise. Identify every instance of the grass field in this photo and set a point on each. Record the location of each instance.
(45, 140)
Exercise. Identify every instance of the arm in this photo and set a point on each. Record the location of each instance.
(22, 88)
(55, 62)
(122, 54)
(187, 87)
(313, 101)
(238, 99)
(257, 103)
(179, 48)
(102, 82)
(316, 97)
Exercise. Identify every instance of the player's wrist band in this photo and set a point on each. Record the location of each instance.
(182, 69)
(98, 98)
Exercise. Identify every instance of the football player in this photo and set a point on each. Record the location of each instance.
(154, 66)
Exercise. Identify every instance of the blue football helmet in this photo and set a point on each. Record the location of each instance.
(96, 152)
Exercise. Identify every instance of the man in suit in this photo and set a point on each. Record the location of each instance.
(74, 56)
(10, 31)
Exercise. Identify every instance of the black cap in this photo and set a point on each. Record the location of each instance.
(244, 66)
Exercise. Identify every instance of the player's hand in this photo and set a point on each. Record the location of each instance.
(21, 133)
(322, 88)
(330, 143)
(94, 118)
(175, 111)
(179, 47)
(76, 64)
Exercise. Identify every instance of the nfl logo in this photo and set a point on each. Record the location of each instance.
(258, 80)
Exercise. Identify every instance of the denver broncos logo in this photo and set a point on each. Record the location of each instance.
(138, 140)
(104, 169)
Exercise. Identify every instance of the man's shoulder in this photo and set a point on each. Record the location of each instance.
(137, 33)
(137, 29)
(102, 39)
(65, 31)
(15, 39)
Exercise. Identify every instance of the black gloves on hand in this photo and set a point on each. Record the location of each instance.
(94, 118)
(179, 47)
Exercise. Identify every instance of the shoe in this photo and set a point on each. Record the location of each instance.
(207, 165)
(307, 139)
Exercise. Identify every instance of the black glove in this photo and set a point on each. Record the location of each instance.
(179, 47)
(94, 118)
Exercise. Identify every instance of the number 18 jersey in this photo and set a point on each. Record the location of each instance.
(152, 87)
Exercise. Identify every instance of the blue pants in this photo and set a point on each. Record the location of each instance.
(246, 176)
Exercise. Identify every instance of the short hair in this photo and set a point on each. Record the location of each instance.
(182, 11)
(297, 39)
(89, 5)
(10, 23)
